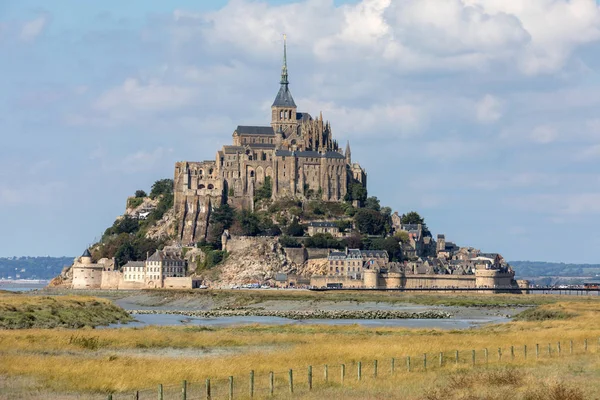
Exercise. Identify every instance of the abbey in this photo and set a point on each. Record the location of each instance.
(296, 154)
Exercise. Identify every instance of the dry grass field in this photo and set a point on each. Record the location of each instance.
(96, 361)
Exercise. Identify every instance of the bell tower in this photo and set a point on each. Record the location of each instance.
(283, 110)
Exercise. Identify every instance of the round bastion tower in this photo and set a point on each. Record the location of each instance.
(370, 277)
(86, 257)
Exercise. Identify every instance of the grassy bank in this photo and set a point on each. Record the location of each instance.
(242, 298)
(128, 359)
(18, 311)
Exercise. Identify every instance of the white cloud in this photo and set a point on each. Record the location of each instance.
(32, 29)
(489, 109)
(154, 96)
(544, 134)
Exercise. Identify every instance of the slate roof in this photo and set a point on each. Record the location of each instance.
(334, 154)
(375, 253)
(134, 264)
(255, 130)
(284, 97)
(261, 145)
(233, 149)
(163, 256)
(322, 224)
(86, 253)
(283, 153)
(302, 116)
(308, 154)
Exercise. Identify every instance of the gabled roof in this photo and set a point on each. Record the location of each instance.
(302, 116)
(334, 154)
(255, 130)
(86, 253)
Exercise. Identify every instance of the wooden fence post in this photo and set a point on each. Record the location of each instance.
(184, 390)
(558, 348)
(343, 373)
(393, 366)
(485, 351)
(525, 351)
(375, 369)
(136, 396)
(408, 363)
(473, 357)
(499, 354)
(109, 396)
(549, 349)
(160, 392)
(570, 347)
(537, 350)
(251, 390)
(208, 389)
(441, 359)
(271, 383)
(291, 377)
(512, 353)
(585, 344)
(456, 357)
(359, 370)
(326, 373)
(310, 377)
(231, 388)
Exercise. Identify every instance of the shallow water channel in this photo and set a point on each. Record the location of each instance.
(182, 320)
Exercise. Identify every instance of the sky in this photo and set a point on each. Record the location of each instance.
(482, 115)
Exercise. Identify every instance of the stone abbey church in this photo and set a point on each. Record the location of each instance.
(296, 152)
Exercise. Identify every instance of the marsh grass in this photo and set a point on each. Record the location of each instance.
(19, 311)
(126, 359)
(543, 315)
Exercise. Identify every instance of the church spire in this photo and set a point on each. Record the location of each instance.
(284, 97)
(284, 71)
(348, 154)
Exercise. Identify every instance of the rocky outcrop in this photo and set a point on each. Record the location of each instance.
(303, 314)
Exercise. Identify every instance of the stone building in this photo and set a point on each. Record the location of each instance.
(295, 152)
(323, 227)
(153, 272)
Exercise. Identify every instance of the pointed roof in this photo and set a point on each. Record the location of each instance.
(347, 148)
(86, 253)
(284, 96)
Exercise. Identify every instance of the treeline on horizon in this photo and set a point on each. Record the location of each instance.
(543, 268)
(44, 267)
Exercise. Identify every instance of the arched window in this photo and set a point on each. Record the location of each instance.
(200, 172)
(211, 186)
(251, 174)
(210, 171)
(201, 187)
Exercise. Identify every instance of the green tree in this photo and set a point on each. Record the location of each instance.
(356, 192)
(295, 229)
(287, 241)
(369, 222)
(402, 236)
(323, 241)
(413, 217)
(264, 191)
(140, 194)
(125, 253)
(390, 245)
(162, 186)
(246, 223)
(224, 215)
(372, 203)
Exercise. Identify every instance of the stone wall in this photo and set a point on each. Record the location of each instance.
(432, 281)
(181, 283)
(87, 277)
(297, 256)
(238, 243)
(317, 253)
(322, 281)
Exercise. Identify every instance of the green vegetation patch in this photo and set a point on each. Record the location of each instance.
(26, 312)
(540, 314)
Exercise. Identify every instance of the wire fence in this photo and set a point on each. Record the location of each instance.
(301, 380)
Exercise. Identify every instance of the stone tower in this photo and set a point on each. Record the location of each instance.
(283, 110)
(348, 154)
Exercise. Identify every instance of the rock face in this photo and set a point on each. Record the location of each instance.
(255, 259)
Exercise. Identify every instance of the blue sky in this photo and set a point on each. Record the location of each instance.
(482, 115)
